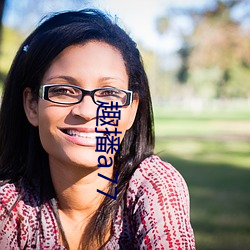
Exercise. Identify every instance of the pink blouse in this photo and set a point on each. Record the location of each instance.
(156, 214)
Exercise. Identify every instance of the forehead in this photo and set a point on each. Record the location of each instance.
(90, 59)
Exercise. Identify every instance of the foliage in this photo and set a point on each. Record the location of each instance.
(162, 24)
(220, 44)
(159, 79)
(10, 43)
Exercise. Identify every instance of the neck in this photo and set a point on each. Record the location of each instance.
(76, 188)
(78, 199)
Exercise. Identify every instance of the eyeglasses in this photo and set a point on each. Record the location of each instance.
(69, 94)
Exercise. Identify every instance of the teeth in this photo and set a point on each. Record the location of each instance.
(83, 134)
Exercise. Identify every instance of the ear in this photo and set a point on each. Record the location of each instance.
(133, 110)
(30, 105)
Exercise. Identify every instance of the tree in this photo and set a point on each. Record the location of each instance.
(220, 44)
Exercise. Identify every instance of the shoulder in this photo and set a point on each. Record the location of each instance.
(17, 200)
(21, 213)
(157, 207)
(154, 176)
(9, 193)
(13, 193)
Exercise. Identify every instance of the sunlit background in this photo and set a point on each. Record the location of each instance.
(197, 57)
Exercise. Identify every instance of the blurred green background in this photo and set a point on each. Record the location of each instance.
(200, 84)
(211, 150)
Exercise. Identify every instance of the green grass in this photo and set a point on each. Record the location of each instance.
(212, 152)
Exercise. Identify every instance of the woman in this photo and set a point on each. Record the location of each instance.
(78, 78)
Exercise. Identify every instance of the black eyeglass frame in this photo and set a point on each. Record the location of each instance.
(44, 93)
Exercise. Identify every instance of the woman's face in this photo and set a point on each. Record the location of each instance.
(67, 132)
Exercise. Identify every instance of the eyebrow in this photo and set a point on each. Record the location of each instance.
(74, 81)
(67, 78)
(111, 78)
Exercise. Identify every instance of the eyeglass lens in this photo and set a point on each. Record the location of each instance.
(70, 94)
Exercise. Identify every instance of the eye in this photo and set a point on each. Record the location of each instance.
(63, 90)
(109, 93)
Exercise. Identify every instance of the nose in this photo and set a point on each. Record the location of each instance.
(86, 108)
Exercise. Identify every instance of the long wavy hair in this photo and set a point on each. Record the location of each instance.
(22, 157)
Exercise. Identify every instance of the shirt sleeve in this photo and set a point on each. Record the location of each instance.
(159, 202)
(9, 219)
(24, 223)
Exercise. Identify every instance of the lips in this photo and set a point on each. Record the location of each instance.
(83, 137)
(75, 133)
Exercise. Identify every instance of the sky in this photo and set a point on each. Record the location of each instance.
(138, 17)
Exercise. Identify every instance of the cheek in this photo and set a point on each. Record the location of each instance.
(46, 133)
(48, 119)
(126, 121)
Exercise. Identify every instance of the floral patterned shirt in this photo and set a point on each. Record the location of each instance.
(156, 214)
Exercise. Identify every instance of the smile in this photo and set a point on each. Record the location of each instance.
(75, 133)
